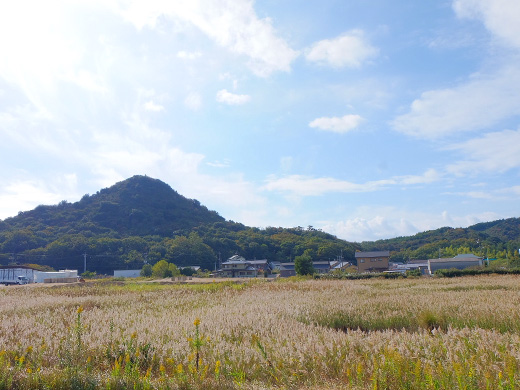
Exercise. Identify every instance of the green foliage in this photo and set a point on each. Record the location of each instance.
(89, 274)
(303, 264)
(414, 272)
(453, 272)
(161, 269)
(146, 271)
(173, 270)
(188, 271)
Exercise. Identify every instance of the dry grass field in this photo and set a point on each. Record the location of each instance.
(460, 333)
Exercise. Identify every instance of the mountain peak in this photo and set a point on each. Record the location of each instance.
(139, 205)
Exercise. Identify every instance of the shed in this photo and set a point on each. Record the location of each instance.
(458, 262)
(61, 276)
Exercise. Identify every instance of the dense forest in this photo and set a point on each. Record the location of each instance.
(143, 220)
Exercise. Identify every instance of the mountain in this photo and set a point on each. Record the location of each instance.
(137, 206)
(144, 220)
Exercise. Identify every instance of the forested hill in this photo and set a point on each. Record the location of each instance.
(499, 238)
(143, 219)
(134, 207)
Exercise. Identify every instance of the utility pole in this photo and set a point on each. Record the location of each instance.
(84, 262)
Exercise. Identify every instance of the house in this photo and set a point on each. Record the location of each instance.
(238, 267)
(340, 265)
(421, 265)
(372, 261)
(261, 265)
(286, 270)
(320, 267)
(459, 262)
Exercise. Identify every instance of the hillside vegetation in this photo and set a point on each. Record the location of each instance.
(497, 239)
(144, 220)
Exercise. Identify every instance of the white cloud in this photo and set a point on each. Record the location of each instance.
(193, 101)
(430, 176)
(374, 223)
(26, 194)
(478, 195)
(185, 55)
(220, 164)
(152, 106)
(223, 96)
(337, 125)
(348, 50)
(495, 152)
(232, 24)
(481, 102)
(499, 16)
(307, 186)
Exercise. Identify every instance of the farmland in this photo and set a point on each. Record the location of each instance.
(461, 333)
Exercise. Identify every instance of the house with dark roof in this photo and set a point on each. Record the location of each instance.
(238, 267)
(372, 261)
(320, 267)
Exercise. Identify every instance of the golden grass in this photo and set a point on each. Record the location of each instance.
(311, 334)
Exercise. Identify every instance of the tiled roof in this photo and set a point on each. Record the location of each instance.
(373, 254)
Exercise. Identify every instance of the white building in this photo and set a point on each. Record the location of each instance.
(61, 276)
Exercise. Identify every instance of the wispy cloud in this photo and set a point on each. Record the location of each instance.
(25, 194)
(499, 16)
(495, 152)
(308, 186)
(342, 124)
(193, 101)
(187, 55)
(232, 24)
(375, 223)
(152, 106)
(481, 102)
(348, 50)
(223, 96)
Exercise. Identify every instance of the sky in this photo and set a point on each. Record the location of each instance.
(369, 119)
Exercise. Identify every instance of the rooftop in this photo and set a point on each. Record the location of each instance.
(373, 254)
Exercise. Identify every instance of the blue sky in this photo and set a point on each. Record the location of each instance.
(366, 118)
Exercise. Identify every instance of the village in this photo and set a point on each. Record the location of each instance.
(238, 267)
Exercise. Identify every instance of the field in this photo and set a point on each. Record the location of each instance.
(460, 333)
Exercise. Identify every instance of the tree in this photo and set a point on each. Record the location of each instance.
(188, 271)
(147, 270)
(161, 269)
(303, 264)
(173, 270)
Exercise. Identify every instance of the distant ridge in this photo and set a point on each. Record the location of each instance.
(486, 237)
